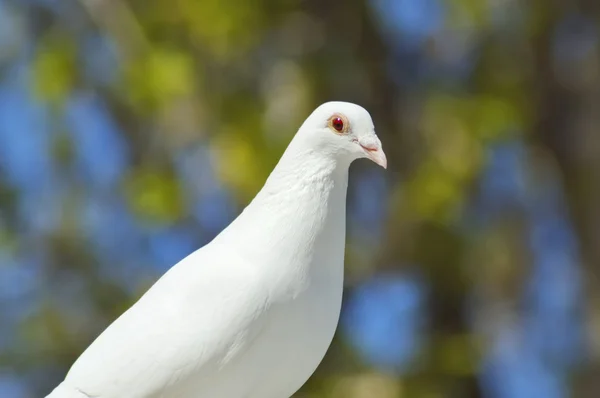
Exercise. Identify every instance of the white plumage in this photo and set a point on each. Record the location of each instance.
(251, 314)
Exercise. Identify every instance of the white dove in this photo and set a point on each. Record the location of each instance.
(251, 314)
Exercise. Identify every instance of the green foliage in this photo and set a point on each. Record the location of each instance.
(155, 196)
(54, 68)
(223, 28)
(163, 76)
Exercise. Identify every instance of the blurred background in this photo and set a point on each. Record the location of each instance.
(133, 131)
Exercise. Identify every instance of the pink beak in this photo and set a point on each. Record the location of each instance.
(372, 147)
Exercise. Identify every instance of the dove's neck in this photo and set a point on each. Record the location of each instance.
(298, 219)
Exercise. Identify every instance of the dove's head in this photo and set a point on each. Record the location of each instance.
(344, 131)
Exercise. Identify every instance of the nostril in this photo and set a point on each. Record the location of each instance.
(369, 143)
(368, 148)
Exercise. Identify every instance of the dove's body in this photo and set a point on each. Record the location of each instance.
(249, 315)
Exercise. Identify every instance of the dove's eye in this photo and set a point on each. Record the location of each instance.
(338, 123)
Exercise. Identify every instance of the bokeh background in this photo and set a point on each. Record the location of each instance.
(133, 131)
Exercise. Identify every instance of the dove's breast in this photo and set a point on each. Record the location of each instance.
(303, 280)
(298, 260)
(275, 359)
(300, 325)
(296, 339)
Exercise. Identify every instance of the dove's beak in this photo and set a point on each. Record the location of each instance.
(372, 147)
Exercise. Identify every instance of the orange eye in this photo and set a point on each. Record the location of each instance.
(337, 123)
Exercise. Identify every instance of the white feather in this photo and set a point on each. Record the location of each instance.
(251, 314)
